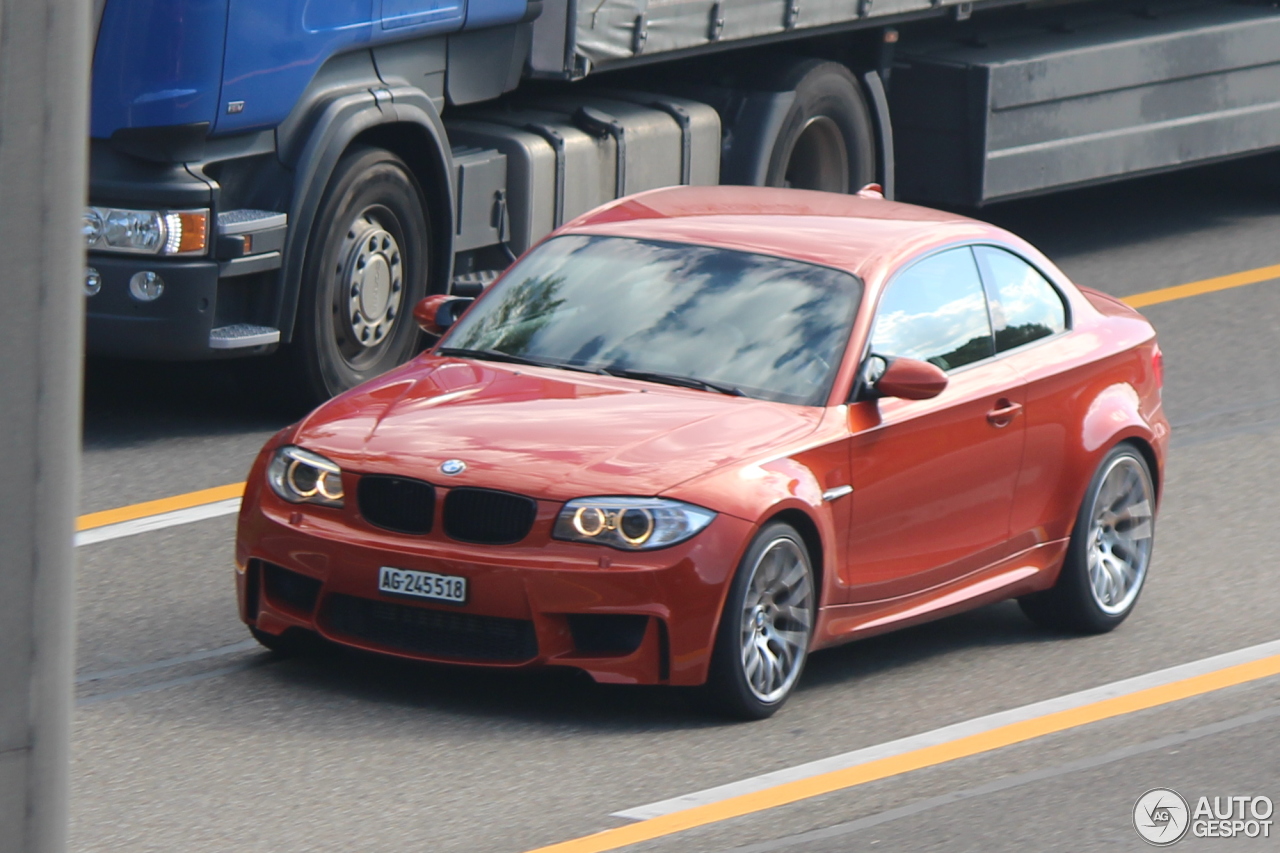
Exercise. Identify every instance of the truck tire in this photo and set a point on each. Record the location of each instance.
(826, 141)
(366, 267)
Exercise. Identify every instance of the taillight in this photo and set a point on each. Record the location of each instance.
(1157, 365)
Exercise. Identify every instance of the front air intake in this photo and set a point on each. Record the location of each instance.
(396, 503)
(432, 633)
(486, 517)
(289, 590)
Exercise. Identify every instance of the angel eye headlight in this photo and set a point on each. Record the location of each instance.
(630, 524)
(300, 476)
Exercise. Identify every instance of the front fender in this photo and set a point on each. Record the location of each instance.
(338, 122)
(779, 487)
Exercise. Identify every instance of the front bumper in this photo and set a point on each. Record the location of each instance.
(175, 326)
(526, 602)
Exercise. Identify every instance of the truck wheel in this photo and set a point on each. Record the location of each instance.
(826, 142)
(366, 267)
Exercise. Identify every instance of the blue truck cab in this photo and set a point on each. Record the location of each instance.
(228, 139)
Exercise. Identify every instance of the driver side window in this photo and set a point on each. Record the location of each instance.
(936, 311)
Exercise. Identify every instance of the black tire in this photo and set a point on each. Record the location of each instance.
(826, 142)
(729, 689)
(1072, 604)
(372, 193)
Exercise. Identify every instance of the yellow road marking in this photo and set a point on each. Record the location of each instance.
(1197, 288)
(838, 780)
(207, 496)
(156, 507)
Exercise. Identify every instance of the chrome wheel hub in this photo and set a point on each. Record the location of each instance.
(374, 279)
(1120, 535)
(777, 620)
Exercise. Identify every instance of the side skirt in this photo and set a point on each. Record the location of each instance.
(1028, 571)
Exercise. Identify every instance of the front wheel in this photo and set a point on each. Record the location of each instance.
(1110, 550)
(366, 267)
(767, 625)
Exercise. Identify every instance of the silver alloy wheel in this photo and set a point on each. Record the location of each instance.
(777, 620)
(1120, 535)
(374, 276)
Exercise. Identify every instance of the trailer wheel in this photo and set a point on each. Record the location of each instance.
(826, 141)
(366, 267)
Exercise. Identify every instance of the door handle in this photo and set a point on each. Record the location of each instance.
(1004, 412)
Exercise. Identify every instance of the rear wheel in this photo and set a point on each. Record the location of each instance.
(1110, 550)
(764, 635)
(826, 141)
(366, 267)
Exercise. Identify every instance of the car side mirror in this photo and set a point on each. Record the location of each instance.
(907, 378)
(435, 314)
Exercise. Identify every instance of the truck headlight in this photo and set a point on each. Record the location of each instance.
(146, 232)
(630, 524)
(300, 476)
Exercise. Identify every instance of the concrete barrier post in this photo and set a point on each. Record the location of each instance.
(44, 79)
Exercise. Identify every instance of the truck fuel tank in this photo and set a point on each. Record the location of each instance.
(566, 155)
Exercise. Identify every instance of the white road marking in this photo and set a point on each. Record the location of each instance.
(229, 506)
(952, 732)
(804, 840)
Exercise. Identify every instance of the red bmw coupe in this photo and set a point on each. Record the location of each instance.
(700, 432)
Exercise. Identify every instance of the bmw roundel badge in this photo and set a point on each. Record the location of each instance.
(452, 466)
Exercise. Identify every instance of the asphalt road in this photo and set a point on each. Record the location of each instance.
(189, 738)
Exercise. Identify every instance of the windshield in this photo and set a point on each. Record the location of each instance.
(762, 326)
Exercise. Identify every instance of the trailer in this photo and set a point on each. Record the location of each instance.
(280, 181)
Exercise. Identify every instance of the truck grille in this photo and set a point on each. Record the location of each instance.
(432, 633)
(487, 517)
(396, 503)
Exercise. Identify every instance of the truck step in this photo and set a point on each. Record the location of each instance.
(241, 335)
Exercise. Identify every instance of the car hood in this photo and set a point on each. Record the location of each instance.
(542, 432)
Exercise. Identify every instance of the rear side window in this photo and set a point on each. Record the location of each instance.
(935, 311)
(1024, 305)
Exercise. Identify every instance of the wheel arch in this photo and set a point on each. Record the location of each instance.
(1115, 416)
(413, 131)
(1148, 452)
(812, 537)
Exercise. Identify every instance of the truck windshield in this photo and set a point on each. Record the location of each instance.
(723, 320)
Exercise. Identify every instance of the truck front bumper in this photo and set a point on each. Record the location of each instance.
(177, 325)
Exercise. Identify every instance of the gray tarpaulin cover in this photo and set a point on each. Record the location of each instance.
(606, 31)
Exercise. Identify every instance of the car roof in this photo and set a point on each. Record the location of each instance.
(865, 235)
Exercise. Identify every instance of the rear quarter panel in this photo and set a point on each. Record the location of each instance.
(1087, 390)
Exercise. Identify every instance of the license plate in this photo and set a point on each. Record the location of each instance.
(423, 584)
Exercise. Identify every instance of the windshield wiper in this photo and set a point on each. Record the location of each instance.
(672, 379)
(499, 355)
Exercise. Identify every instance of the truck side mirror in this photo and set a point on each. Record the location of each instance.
(436, 314)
